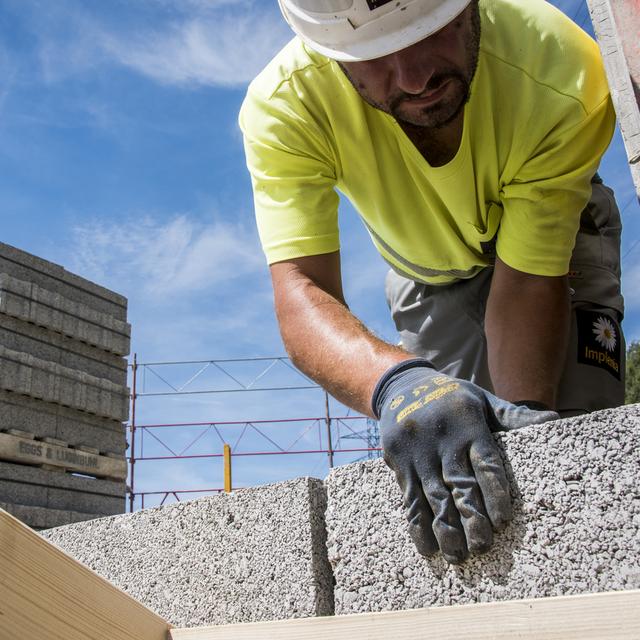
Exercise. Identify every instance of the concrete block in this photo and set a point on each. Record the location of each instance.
(41, 518)
(84, 433)
(255, 554)
(31, 303)
(52, 497)
(42, 419)
(28, 475)
(51, 382)
(21, 336)
(86, 502)
(28, 494)
(56, 279)
(576, 527)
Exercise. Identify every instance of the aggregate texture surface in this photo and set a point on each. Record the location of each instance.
(28, 486)
(25, 374)
(255, 554)
(44, 419)
(576, 527)
(30, 303)
(43, 518)
(57, 348)
(57, 280)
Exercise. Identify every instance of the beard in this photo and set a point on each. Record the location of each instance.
(457, 94)
(440, 114)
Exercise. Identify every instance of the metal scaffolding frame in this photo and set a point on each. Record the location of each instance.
(345, 427)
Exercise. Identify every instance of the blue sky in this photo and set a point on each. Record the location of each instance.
(120, 158)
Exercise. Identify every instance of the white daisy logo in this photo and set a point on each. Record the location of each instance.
(605, 333)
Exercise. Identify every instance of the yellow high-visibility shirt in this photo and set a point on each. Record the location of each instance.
(537, 123)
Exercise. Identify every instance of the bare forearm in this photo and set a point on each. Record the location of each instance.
(326, 341)
(527, 329)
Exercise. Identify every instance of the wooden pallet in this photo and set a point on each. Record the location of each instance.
(47, 595)
(55, 455)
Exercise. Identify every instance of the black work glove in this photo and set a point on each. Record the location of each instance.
(436, 436)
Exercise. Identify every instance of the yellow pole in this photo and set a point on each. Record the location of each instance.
(227, 468)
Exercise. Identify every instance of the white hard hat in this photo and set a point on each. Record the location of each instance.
(365, 29)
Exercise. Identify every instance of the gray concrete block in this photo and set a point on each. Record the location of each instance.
(255, 554)
(26, 475)
(78, 428)
(41, 518)
(28, 494)
(31, 303)
(83, 433)
(41, 495)
(23, 337)
(86, 502)
(576, 527)
(54, 278)
(51, 382)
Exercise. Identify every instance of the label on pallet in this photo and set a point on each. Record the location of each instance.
(26, 451)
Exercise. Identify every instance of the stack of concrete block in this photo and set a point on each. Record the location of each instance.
(274, 552)
(256, 554)
(63, 393)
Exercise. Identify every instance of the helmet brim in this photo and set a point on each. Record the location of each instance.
(372, 41)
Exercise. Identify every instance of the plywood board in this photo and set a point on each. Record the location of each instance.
(602, 616)
(47, 595)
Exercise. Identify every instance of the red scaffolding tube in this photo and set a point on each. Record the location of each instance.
(134, 428)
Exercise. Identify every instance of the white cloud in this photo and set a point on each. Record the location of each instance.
(180, 256)
(196, 5)
(193, 43)
(228, 50)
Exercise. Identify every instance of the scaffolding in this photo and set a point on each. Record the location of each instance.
(221, 376)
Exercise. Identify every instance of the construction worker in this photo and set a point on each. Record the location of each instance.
(467, 135)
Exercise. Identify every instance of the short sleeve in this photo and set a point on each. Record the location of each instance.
(293, 173)
(543, 202)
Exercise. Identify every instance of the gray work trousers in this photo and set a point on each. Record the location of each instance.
(445, 324)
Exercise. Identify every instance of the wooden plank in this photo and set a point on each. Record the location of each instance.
(47, 595)
(627, 17)
(26, 450)
(618, 40)
(602, 616)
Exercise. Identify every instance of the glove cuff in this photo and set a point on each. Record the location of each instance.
(533, 404)
(391, 373)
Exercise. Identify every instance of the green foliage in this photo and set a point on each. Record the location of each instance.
(632, 390)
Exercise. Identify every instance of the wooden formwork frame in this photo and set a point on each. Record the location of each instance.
(47, 595)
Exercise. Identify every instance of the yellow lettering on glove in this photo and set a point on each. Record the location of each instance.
(421, 389)
(425, 400)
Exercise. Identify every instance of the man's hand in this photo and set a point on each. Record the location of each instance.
(437, 437)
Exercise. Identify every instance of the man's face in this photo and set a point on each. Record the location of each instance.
(428, 83)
